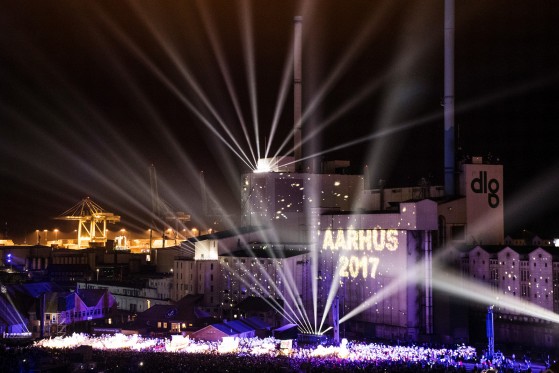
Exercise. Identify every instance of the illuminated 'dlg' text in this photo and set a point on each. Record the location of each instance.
(364, 240)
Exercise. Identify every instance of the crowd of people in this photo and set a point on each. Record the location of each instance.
(120, 353)
(262, 346)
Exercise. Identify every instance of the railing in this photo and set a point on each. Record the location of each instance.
(16, 335)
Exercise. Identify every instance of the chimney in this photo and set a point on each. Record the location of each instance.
(298, 21)
(449, 148)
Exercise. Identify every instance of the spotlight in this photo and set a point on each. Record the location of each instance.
(263, 165)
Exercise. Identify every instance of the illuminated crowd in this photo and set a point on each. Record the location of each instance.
(258, 346)
(121, 353)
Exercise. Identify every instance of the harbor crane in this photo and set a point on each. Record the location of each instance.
(92, 222)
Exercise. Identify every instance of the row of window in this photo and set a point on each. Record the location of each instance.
(495, 262)
(524, 277)
(76, 314)
(165, 325)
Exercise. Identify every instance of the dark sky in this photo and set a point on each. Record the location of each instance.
(94, 92)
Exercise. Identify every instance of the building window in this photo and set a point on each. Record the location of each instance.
(524, 290)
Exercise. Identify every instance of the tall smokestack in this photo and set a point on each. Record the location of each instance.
(298, 21)
(449, 157)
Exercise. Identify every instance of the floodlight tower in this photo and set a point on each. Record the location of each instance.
(92, 222)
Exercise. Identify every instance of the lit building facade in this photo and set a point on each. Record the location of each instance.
(351, 256)
(525, 273)
(287, 202)
(381, 266)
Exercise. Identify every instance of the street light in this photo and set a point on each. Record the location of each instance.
(97, 270)
(56, 235)
(46, 236)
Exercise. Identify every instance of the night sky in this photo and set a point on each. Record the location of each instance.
(94, 92)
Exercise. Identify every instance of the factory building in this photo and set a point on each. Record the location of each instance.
(312, 238)
(309, 239)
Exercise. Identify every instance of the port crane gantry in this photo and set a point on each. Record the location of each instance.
(92, 222)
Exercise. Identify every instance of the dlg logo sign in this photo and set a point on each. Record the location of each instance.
(490, 187)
